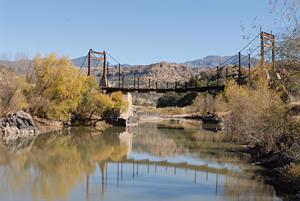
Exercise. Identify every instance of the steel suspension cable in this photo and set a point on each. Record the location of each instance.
(83, 63)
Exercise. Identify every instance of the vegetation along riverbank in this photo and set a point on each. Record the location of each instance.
(253, 97)
(55, 93)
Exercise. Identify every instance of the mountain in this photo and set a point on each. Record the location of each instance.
(82, 62)
(213, 61)
(209, 61)
(161, 72)
(79, 61)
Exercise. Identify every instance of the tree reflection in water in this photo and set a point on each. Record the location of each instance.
(55, 165)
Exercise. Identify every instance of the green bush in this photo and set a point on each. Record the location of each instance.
(176, 100)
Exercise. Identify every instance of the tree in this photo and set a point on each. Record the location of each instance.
(57, 88)
(257, 115)
(120, 103)
(93, 101)
(287, 16)
(12, 89)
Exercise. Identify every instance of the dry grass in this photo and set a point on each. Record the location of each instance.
(182, 124)
(164, 111)
(294, 170)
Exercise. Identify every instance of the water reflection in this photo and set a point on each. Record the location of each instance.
(145, 163)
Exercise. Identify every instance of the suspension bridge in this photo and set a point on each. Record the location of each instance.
(233, 68)
(130, 170)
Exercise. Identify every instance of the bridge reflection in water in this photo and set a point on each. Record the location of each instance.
(133, 171)
(142, 167)
(146, 163)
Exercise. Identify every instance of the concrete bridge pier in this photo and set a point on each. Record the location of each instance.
(129, 114)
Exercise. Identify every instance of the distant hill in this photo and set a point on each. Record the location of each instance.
(209, 61)
(79, 61)
(213, 61)
(161, 71)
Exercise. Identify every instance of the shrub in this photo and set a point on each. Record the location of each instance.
(12, 89)
(93, 102)
(172, 100)
(257, 114)
(203, 103)
(120, 103)
(56, 90)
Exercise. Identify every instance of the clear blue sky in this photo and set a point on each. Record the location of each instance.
(133, 31)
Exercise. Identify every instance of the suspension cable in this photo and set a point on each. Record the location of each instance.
(249, 43)
(113, 58)
(83, 63)
(227, 60)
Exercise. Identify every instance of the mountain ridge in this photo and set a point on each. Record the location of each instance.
(208, 61)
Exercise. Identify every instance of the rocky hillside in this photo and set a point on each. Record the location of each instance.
(209, 61)
(159, 72)
(213, 61)
(162, 71)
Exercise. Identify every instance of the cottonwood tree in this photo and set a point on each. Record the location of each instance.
(287, 18)
(57, 88)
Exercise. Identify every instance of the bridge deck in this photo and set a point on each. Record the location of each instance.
(209, 89)
(200, 168)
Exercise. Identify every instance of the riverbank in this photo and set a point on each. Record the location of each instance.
(285, 182)
(171, 164)
(277, 177)
(20, 124)
(278, 169)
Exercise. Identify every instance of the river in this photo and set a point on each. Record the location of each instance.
(147, 162)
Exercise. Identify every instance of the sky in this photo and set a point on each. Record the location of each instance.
(132, 31)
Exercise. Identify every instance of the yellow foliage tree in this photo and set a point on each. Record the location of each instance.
(58, 88)
(93, 102)
(56, 91)
(120, 103)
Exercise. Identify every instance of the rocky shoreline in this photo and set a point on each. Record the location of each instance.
(19, 129)
(17, 125)
(275, 171)
(21, 125)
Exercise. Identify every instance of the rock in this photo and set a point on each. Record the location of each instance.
(17, 125)
(211, 118)
(46, 125)
(274, 160)
(295, 197)
(174, 121)
(113, 117)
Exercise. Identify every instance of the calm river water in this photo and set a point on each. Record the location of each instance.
(143, 163)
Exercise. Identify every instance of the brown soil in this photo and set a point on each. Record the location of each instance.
(46, 125)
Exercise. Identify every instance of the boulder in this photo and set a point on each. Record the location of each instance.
(17, 125)
(211, 118)
(113, 117)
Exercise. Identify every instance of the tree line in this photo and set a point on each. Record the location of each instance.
(53, 88)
